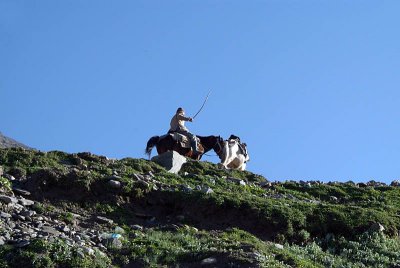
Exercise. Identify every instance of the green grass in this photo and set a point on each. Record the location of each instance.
(41, 254)
(299, 216)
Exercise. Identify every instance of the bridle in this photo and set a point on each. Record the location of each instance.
(218, 142)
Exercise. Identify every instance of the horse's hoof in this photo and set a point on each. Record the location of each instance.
(221, 166)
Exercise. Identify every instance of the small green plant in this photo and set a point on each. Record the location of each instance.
(39, 208)
(138, 193)
(67, 217)
(5, 184)
(104, 208)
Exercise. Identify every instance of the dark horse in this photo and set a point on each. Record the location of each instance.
(167, 143)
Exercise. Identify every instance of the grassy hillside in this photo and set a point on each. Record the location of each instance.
(91, 211)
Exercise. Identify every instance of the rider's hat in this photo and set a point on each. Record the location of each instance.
(180, 109)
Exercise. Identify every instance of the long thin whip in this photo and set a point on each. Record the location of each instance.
(202, 105)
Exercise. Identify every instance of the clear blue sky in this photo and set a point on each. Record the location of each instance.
(311, 86)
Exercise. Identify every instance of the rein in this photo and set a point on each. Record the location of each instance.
(220, 147)
(212, 147)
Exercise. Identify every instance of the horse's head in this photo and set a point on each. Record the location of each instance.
(212, 142)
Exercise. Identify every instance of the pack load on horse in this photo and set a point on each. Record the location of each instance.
(179, 139)
(234, 154)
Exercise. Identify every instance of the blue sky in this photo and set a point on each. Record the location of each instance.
(311, 86)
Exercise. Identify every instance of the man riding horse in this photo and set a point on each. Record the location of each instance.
(177, 124)
(177, 140)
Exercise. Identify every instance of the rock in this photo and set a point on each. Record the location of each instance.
(8, 199)
(115, 177)
(137, 227)
(114, 243)
(172, 161)
(9, 177)
(373, 183)
(119, 230)
(11, 224)
(104, 220)
(26, 202)
(265, 184)
(28, 213)
(238, 181)
(114, 184)
(22, 243)
(27, 230)
(209, 261)
(50, 231)
(20, 191)
(64, 229)
(279, 246)
(138, 177)
(88, 251)
(207, 190)
(5, 215)
(145, 184)
(333, 198)
(186, 188)
(377, 227)
(395, 183)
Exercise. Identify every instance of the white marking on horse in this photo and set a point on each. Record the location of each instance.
(234, 155)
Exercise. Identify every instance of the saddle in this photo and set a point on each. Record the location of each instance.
(182, 139)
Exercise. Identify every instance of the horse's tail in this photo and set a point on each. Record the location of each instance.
(150, 144)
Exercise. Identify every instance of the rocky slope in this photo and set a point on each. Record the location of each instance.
(84, 210)
(6, 142)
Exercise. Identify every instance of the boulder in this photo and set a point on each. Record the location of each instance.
(208, 261)
(104, 220)
(172, 161)
(8, 199)
(20, 191)
(137, 227)
(207, 190)
(395, 183)
(238, 181)
(48, 230)
(377, 227)
(26, 202)
(333, 198)
(9, 177)
(265, 184)
(112, 243)
(4, 215)
(114, 184)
